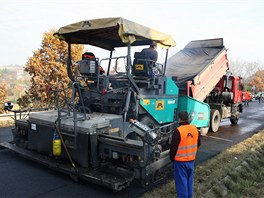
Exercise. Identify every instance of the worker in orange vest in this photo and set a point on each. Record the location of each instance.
(247, 97)
(184, 145)
(90, 55)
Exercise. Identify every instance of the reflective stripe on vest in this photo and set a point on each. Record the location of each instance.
(188, 147)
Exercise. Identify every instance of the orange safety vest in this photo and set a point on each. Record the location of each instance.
(247, 95)
(188, 145)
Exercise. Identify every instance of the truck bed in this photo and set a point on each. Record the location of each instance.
(198, 67)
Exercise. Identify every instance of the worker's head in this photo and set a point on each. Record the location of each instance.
(88, 55)
(153, 44)
(183, 116)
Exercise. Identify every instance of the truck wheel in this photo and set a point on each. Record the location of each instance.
(215, 120)
(204, 131)
(234, 120)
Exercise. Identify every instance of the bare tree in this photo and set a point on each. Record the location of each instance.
(245, 68)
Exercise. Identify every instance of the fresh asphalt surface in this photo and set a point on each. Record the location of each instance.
(20, 177)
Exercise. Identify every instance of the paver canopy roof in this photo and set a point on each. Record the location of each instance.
(108, 33)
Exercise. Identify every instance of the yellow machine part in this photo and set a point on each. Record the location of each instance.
(56, 147)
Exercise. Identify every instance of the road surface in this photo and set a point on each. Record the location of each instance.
(23, 178)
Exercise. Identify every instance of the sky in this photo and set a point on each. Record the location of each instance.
(239, 23)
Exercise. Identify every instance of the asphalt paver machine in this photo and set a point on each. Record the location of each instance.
(118, 125)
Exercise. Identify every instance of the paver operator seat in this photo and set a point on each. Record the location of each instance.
(142, 66)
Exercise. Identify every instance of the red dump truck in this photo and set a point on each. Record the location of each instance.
(201, 71)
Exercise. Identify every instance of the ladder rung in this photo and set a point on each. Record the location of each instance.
(68, 134)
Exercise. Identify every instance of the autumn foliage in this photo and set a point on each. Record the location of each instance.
(47, 67)
(3, 95)
(258, 80)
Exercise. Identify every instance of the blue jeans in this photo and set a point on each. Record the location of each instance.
(183, 177)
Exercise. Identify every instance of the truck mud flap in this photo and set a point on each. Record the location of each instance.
(116, 180)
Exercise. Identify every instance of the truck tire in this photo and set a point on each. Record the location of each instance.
(215, 120)
(234, 120)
